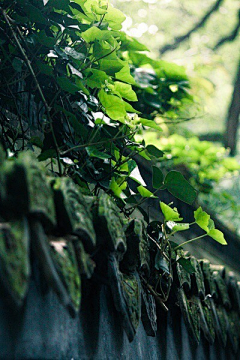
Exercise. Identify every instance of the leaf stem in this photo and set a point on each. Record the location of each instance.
(188, 241)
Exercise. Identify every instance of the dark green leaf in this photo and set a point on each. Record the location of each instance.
(154, 151)
(179, 187)
(186, 264)
(157, 177)
(47, 154)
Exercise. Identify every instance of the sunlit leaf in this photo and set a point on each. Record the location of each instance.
(218, 236)
(174, 227)
(113, 105)
(150, 123)
(145, 192)
(169, 213)
(202, 218)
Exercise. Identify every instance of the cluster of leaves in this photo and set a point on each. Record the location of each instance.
(90, 83)
(70, 60)
(205, 162)
(162, 87)
(202, 219)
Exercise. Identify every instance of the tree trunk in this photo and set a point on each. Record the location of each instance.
(233, 117)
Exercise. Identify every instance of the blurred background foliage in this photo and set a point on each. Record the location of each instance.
(157, 23)
(204, 37)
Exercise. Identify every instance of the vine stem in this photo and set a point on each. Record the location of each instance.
(189, 241)
(94, 143)
(146, 198)
(28, 63)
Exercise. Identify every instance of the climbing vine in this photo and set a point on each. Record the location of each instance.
(75, 90)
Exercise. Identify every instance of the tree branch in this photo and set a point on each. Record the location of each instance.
(179, 39)
(230, 37)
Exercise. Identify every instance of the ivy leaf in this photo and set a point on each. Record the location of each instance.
(17, 64)
(35, 140)
(67, 85)
(169, 213)
(124, 75)
(35, 15)
(91, 34)
(116, 189)
(113, 105)
(150, 123)
(124, 90)
(179, 187)
(115, 18)
(45, 40)
(211, 224)
(96, 79)
(129, 43)
(218, 236)
(161, 263)
(47, 154)
(174, 227)
(94, 152)
(74, 54)
(145, 192)
(157, 177)
(202, 219)
(44, 68)
(154, 151)
(60, 5)
(111, 66)
(186, 264)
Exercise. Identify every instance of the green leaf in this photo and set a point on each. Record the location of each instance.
(47, 154)
(113, 105)
(67, 85)
(154, 151)
(129, 43)
(124, 74)
(161, 263)
(211, 224)
(91, 34)
(74, 54)
(157, 177)
(35, 140)
(45, 40)
(111, 66)
(169, 213)
(44, 68)
(17, 64)
(218, 236)
(96, 79)
(179, 187)
(124, 90)
(150, 123)
(60, 5)
(35, 15)
(116, 189)
(115, 18)
(129, 108)
(145, 192)
(94, 152)
(186, 264)
(202, 219)
(174, 227)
